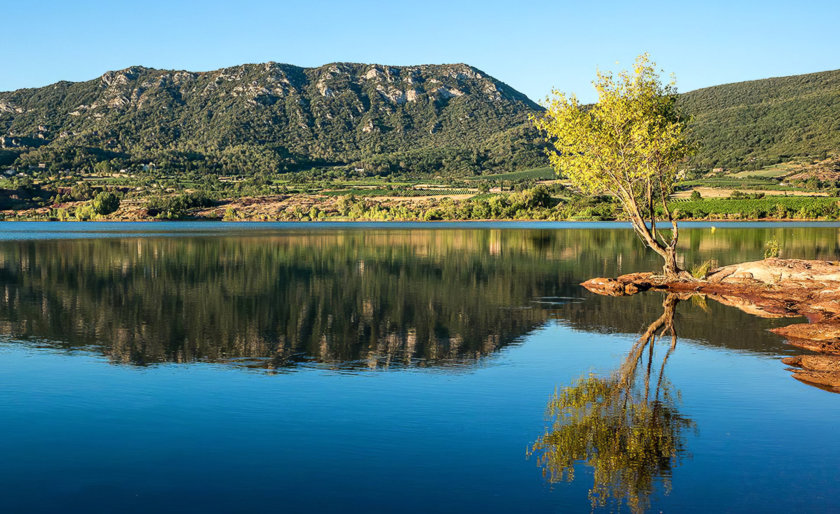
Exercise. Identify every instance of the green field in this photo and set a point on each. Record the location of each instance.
(546, 173)
(735, 183)
(775, 171)
(776, 207)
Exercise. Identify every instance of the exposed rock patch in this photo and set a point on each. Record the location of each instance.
(819, 370)
(772, 288)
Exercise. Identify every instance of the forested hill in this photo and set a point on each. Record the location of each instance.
(269, 117)
(449, 119)
(751, 124)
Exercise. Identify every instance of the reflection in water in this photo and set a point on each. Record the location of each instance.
(343, 299)
(350, 299)
(627, 426)
(357, 300)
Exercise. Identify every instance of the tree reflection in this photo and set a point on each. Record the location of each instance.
(626, 428)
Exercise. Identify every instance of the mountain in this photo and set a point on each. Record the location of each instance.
(751, 124)
(272, 116)
(449, 119)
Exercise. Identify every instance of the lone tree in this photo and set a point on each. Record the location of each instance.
(627, 145)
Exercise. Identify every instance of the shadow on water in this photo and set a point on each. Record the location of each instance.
(625, 426)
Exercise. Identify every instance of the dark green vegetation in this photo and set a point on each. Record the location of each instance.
(270, 118)
(344, 117)
(749, 125)
(773, 207)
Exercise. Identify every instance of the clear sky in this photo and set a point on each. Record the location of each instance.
(533, 46)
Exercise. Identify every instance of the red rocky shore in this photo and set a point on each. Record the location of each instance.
(772, 288)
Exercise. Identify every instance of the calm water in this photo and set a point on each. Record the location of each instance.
(391, 367)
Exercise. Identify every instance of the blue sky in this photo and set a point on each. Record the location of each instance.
(533, 46)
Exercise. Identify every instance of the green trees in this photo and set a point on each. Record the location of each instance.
(311, 117)
(178, 206)
(82, 191)
(748, 125)
(627, 145)
(105, 202)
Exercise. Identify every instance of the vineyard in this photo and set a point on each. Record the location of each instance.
(776, 207)
(516, 176)
(410, 193)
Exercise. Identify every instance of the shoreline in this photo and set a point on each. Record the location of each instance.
(687, 223)
(771, 288)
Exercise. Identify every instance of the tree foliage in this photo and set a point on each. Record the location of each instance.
(105, 203)
(627, 145)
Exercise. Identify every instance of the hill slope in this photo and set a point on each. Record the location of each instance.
(277, 116)
(751, 124)
(428, 119)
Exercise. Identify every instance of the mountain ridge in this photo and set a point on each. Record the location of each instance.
(335, 113)
(750, 124)
(449, 119)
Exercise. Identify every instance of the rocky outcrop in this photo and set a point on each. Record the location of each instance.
(772, 288)
(624, 285)
(820, 370)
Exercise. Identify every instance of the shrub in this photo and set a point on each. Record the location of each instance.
(81, 191)
(85, 212)
(700, 270)
(230, 214)
(105, 202)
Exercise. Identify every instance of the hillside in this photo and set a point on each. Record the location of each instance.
(348, 119)
(269, 117)
(748, 125)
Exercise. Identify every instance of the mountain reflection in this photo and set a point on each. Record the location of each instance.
(627, 426)
(349, 299)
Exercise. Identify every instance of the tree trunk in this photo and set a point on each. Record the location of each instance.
(654, 240)
(671, 270)
(668, 251)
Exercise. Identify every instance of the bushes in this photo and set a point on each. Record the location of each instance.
(105, 202)
(85, 213)
(174, 207)
(586, 207)
(740, 195)
(82, 191)
(772, 248)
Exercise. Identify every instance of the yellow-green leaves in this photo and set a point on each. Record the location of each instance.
(633, 136)
(628, 145)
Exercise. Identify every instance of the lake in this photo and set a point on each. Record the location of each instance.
(395, 367)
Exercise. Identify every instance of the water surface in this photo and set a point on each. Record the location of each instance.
(384, 367)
